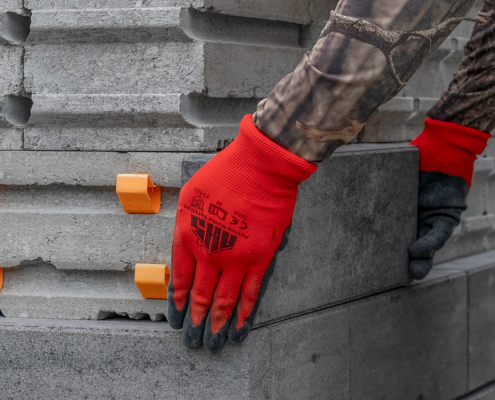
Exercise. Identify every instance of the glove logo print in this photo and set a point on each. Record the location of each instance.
(216, 210)
(198, 203)
(212, 237)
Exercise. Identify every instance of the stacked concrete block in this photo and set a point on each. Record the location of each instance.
(409, 343)
(63, 225)
(14, 106)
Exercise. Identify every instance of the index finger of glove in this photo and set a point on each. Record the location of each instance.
(434, 239)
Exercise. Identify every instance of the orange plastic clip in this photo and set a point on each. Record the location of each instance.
(1, 278)
(152, 280)
(138, 194)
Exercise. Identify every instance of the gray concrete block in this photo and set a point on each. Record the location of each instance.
(87, 168)
(468, 238)
(307, 356)
(11, 139)
(169, 122)
(119, 360)
(291, 10)
(11, 5)
(317, 346)
(11, 67)
(477, 200)
(353, 223)
(411, 343)
(108, 60)
(81, 228)
(38, 290)
(480, 271)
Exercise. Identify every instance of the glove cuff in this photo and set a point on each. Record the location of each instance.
(255, 166)
(450, 148)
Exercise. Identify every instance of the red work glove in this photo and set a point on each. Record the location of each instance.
(447, 153)
(233, 217)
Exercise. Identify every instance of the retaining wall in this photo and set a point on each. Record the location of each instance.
(105, 87)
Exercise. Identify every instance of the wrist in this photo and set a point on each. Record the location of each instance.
(255, 166)
(450, 148)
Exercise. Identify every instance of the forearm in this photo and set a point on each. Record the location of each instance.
(470, 99)
(363, 58)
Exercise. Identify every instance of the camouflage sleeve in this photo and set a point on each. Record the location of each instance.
(363, 58)
(470, 99)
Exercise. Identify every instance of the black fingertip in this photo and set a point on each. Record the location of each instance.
(239, 335)
(419, 269)
(175, 317)
(215, 342)
(192, 335)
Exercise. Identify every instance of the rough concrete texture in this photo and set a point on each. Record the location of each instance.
(11, 5)
(87, 168)
(353, 223)
(480, 271)
(108, 60)
(38, 290)
(301, 12)
(86, 236)
(83, 227)
(121, 79)
(169, 122)
(113, 359)
(411, 343)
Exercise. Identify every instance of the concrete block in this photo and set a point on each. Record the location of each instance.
(83, 229)
(477, 200)
(152, 122)
(11, 139)
(480, 270)
(148, 79)
(87, 168)
(11, 67)
(411, 343)
(468, 238)
(11, 5)
(353, 223)
(167, 60)
(490, 148)
(64, 360)
(38, 290)
(140, 360)
(316, 345)
(280, 10)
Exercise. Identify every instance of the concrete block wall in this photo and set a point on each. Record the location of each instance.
(427, 340)
(105, 87)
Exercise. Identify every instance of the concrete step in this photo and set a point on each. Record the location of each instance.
(62, 215)
(406, 344)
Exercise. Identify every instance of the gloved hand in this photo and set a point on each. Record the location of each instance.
(233, 217)
(447, 153)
